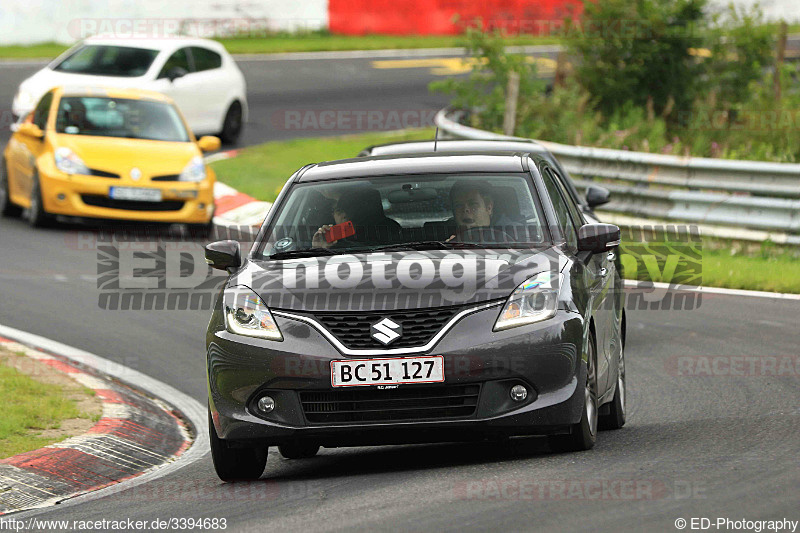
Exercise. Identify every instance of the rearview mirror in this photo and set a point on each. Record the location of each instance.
(597, 238)
(209, 143)
(30, 130)
(596, 196)
(224, 255)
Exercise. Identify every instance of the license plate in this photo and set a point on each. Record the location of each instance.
(135, 193)
(396, 371)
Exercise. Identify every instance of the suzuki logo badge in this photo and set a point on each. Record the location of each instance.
(386, 331)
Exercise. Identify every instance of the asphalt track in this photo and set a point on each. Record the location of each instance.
(708, 445)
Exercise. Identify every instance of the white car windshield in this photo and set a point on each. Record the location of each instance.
(106, 60)
(120, 117)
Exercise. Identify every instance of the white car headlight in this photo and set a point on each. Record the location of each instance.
(246, 314)
(194, 171)
(68, 162)
(24, 100)
(536, 299)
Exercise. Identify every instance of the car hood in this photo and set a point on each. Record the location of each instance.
(120, 156)
(397, 280)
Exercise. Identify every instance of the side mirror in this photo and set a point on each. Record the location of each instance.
(175, 72)
(209, 143)
(30, 130)
(224, 255)
(596, 196)
(598, 238)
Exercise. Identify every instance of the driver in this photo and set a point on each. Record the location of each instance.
(472, 204)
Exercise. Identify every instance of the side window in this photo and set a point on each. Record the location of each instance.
(574, 210)
(179, 59)
(42, 111)
(205, 59)
(561, 208)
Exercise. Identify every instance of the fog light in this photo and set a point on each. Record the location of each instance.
(266, 404)
(61, 196)
(519, 393)
(201, 206)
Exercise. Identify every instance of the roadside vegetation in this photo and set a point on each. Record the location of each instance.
(317, 41)
(40, 406)
(261, 171)
(654, 76)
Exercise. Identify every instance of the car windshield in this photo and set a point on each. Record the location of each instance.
(118, 117)
(406, 213)
(104, 60)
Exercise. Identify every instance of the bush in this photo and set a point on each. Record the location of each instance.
(635, 50)
(720, 104)
(483, 91)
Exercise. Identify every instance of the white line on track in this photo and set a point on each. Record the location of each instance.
(712, 290)
(193, 410)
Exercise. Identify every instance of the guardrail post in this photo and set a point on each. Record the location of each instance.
(512, 95)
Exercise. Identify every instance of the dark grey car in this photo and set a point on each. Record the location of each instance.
(459, 296)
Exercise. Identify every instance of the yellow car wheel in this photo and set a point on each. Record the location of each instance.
(37, 216)
(7, 208)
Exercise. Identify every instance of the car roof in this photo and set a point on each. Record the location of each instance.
(455, 145)
(114, 92)
(430, 163)
(164, 43)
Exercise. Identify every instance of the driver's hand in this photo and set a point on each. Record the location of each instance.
(450, 238)
(318, 240)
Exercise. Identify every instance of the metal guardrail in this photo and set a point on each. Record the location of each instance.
(738, 194)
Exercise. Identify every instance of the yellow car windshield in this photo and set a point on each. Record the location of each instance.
(120, 117)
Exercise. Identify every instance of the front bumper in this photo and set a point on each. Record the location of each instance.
(70, 195)
(546, 357)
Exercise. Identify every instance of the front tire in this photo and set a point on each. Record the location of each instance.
(232, 125)
(38, 217)
(235, 464)
(7, 208)
(583, 435)
(616, 416)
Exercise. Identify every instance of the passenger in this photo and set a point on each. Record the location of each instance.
(364, 209)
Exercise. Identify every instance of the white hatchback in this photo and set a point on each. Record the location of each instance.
(198, 74)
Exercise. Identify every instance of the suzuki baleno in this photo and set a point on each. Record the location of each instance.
(416, 298)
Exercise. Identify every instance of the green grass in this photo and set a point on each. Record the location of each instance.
(261, 171)
(29, 407)
(779, 272)
(305, 42)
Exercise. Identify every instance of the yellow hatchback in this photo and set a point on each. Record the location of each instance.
(109, 154)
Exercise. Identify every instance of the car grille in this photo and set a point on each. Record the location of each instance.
(419, 326)
(170, 177)
(131, 205)
(412, 402)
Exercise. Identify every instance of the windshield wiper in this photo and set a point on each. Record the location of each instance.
(310, 252)
(426, 245)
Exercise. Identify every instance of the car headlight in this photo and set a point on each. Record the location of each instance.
(24, 100)
(246, 314)
(536, 299)
(194, 171)
(68, 162)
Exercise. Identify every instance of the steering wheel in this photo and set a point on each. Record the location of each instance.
(485, 234)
